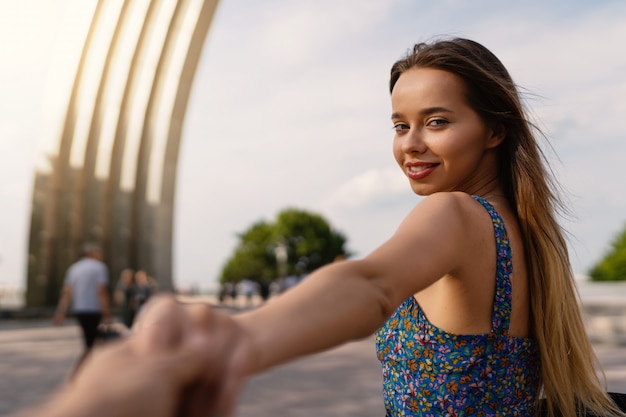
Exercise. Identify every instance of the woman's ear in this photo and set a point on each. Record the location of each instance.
(498, 133)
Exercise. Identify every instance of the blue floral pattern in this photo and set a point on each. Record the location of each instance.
(429, 372)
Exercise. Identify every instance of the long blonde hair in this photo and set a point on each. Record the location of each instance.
(569, 380)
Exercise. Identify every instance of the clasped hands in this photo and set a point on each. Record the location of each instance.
(179, 360)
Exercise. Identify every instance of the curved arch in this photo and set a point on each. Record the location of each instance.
(114, 181)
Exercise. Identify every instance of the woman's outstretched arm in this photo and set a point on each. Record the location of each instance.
(348, 300)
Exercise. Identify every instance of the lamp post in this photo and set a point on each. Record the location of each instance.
(280, 251)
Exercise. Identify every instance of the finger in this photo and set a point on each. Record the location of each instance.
(190, 362)
(212, 327)
(233, 381)
(228, 349)
(190, 370)
(160, 326)
(201, 318)
(152, 310)
(200, 401)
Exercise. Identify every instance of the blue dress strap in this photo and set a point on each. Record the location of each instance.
(501, 313)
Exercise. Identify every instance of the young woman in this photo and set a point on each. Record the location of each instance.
(472, 298)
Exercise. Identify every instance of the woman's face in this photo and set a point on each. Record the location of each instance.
(440, 142)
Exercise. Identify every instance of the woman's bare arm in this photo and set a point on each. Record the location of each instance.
(349, 300)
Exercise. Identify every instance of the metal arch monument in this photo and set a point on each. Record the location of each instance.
(110, 176)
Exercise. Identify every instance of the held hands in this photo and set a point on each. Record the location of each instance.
(180, 360)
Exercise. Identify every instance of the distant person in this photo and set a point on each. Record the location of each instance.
(85, 294)
(124, 296)
(247, 289)
(264, 289)
(223, 292)
(144, 289)
(228, 293)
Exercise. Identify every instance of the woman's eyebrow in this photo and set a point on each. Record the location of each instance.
(425, 112)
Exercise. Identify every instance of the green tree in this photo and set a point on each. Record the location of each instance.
(613, 266)
(309, 240)
(306, 239)
(251, 258)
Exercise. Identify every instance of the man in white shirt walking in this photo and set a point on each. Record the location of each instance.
(85, 292)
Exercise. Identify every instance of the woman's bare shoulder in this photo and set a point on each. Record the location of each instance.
(439, 237)
(453, 221)
(447, 207)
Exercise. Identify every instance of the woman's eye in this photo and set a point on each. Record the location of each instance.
(437, 122)
(399, 127)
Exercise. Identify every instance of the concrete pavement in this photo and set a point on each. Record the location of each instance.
(36, 357)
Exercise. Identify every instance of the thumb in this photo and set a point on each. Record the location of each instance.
(190, 363)
(159, 327)
(193, 377)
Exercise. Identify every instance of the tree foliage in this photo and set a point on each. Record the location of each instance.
(306, 238)
(613, 266)
(251, 258)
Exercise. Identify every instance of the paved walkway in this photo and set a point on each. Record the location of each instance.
(35, 358)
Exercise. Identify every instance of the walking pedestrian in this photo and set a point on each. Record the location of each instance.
(143, 290)
(124, 296)
(85, 294)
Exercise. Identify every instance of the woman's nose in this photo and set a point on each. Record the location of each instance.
(414, 142)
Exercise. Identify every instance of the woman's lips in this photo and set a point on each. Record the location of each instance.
(419, 171)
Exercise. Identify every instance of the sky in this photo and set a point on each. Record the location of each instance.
(290, 108)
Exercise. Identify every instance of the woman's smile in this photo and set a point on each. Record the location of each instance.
(419, 170)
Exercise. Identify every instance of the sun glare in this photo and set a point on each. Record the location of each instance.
(41, 40)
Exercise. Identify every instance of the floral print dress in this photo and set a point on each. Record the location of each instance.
(430, 372)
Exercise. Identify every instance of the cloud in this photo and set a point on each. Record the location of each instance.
(368, 187)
